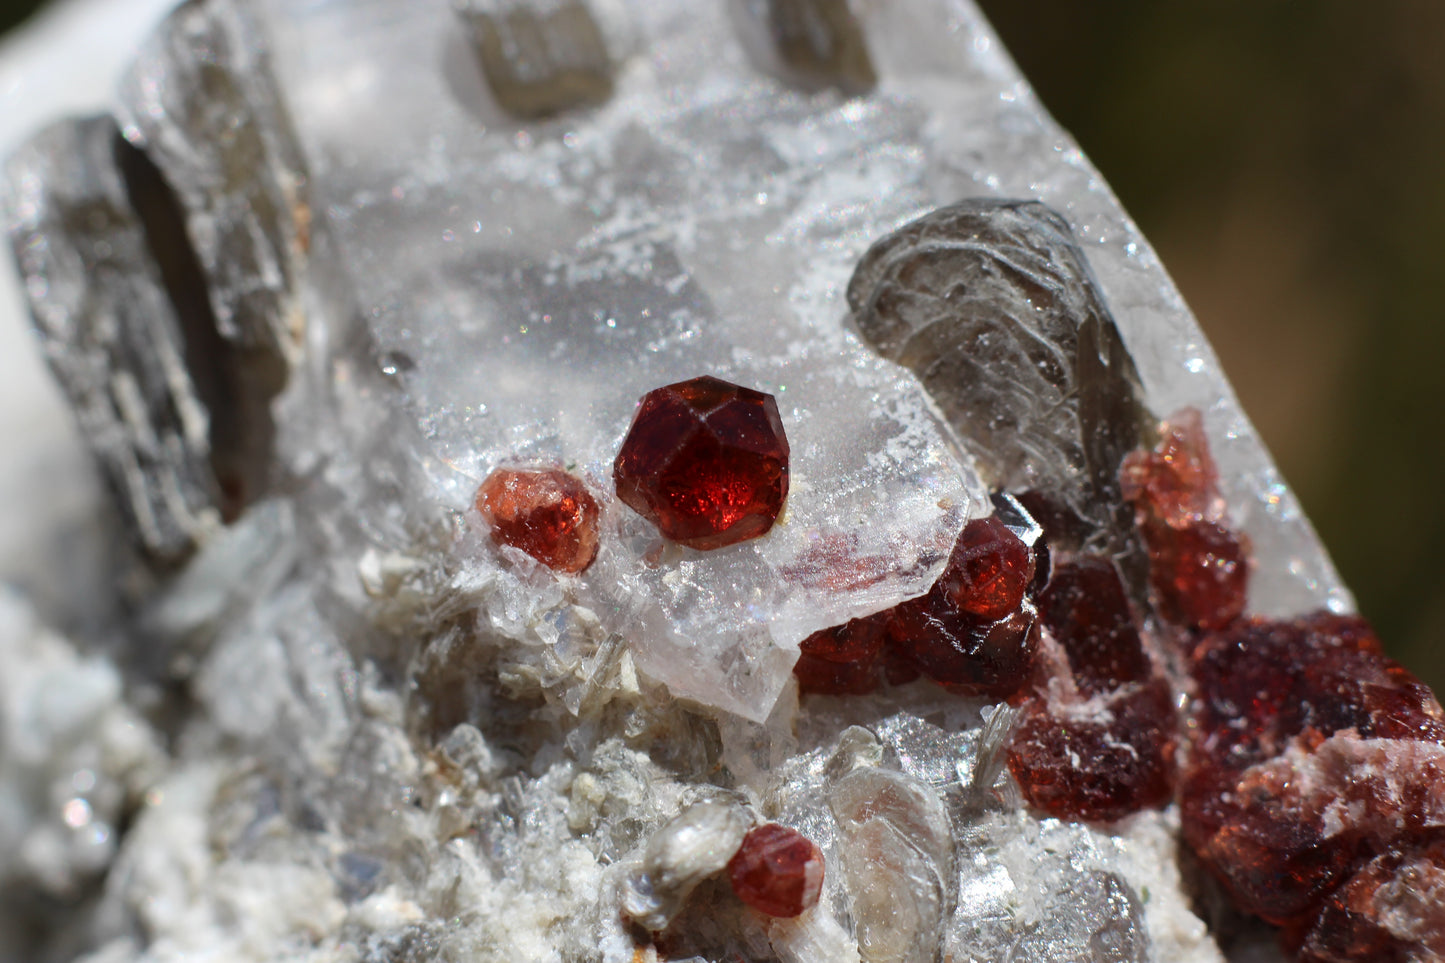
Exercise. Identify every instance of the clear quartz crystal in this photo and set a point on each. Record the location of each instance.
(385, 732)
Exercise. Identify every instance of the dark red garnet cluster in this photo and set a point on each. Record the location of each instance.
(1314, 783)
(972, 632)
(1097, 735)
(704, 460)
(1313, 776)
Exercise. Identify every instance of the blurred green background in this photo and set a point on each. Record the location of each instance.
(1287, 159)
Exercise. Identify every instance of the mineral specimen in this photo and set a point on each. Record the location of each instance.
(1088, 612)
(548, 514)
(706, 462)
(1197, 566)
(993, 305)
(972, 631)
(365, 253)
(1313, 753)
(777, 870)
(1098, 760)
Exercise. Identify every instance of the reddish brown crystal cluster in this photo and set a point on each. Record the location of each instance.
(971, 632)
(1198, 566)
(548, 514)
(1097, 739)
(777, 871)
(1315, 787)
(706, 462)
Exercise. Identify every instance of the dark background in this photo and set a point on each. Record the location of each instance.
(1287, 160)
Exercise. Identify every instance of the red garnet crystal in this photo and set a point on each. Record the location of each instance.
(706, 462)
(843, 659)
(1108, 750)
(777, 871)
(1362, 919)
(988, 571)
(547, 514)
(1177, 481)
(1087, 610)
(1197, 566)
(1097, 761)
(961, 652)
(1313, 789)
(972, 632)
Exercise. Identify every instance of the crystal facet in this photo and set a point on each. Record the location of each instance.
(1198, 567)
(548, 514)
(777, 870)
(706, 462)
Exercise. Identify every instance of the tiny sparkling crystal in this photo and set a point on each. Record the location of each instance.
(547, 514)
(706, 462)
(777, 871)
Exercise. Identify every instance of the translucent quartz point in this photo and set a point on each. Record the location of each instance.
(539, 58)
(526, 287)
(993, 305)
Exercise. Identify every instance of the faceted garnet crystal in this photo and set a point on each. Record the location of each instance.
(777, 871)
(1198, 567)
(548, 514)
(843, 659)
(1100, 760)
(706, 462)
(988, 571)
(972, 632)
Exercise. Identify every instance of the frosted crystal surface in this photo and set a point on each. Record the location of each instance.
(492, 258)
(365, 732)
